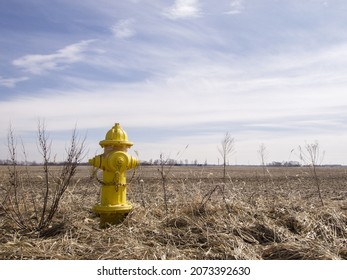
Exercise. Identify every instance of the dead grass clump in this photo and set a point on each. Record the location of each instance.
(296, 251)
(54, 229)
(196, 210)
(296, 222)
(258, 234)
(331, 225)
(343, 253)
(178, 222)
(293, 224)
(220, 248)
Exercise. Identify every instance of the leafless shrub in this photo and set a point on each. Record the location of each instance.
(165, 166)
(263, 153)
(225, 149)
(31, 203)
(312, 156)
(163, 174)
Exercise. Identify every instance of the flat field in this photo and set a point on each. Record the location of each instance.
(254, 214)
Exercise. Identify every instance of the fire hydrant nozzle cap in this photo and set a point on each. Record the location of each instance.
(116, 136)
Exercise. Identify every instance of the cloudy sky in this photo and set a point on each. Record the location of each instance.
(177, 73)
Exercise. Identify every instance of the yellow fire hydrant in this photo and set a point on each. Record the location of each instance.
(114, 162)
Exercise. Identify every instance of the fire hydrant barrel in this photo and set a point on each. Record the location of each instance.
(114, 162)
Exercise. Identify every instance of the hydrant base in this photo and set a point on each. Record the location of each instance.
(111, 219)
(112, 214)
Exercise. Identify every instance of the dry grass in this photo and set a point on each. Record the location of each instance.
(248, 217)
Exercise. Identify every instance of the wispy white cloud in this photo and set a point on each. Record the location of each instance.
(236, 7)
(253, 110)
(41, 63)
(204, 100)
(11, 82)
(184, 9)
(124, 29)
(192, 95)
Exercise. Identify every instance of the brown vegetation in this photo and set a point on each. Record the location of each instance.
(249, 216)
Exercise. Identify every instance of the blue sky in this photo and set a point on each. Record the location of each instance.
(177, 73)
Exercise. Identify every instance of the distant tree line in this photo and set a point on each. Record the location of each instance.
(285, 164)
(172, 162)
(34, 163)
(25, 163)
(169, 162)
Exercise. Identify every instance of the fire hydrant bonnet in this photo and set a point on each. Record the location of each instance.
(116, 136)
